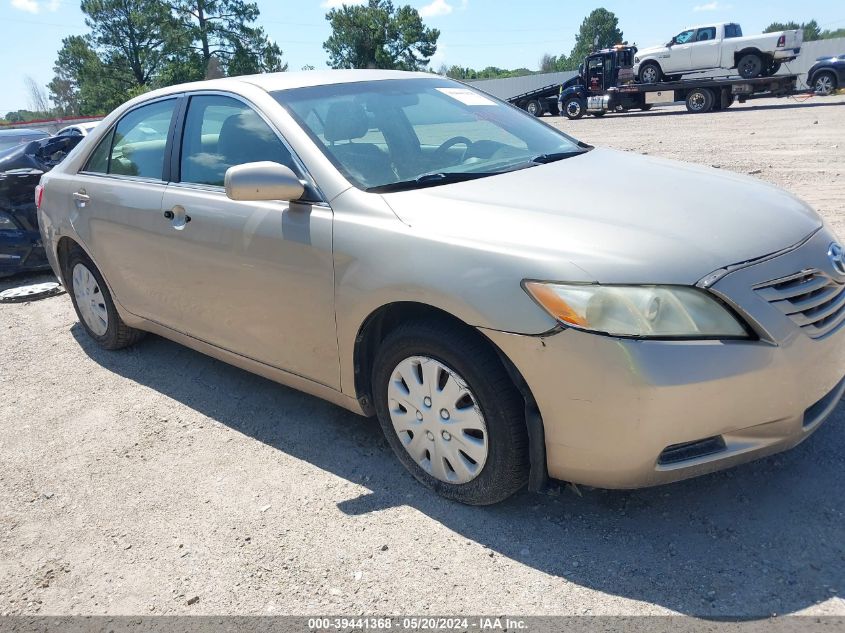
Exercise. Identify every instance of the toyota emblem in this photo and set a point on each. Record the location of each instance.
(836, 253)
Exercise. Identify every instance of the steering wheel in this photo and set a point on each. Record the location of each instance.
(440, 152)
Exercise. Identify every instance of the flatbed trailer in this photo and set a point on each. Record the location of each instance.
(539, 101)
(700, 95)
(605, 83)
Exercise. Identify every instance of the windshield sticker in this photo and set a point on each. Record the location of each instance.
(467, 97)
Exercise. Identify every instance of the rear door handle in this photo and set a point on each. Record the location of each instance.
(81, 198)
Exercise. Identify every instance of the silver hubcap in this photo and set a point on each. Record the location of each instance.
(824, 85)
(437, 419)
(90, 300)
(574, 108)
(650, 75)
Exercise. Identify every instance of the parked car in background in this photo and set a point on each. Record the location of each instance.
(13, 137)
(827, 75)
(714, 46)
(21, 167)
(407, 246)
(78, 129)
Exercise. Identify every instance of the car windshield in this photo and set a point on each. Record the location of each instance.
(409, 133)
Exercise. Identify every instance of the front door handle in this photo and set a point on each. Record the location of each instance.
(177, 216)
(81, 198)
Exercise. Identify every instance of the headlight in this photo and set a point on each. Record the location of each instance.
(7, 223)
(639, 311)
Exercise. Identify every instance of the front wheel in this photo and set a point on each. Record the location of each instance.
(824, 84)
(451, 413)
(650, 73)
(94, 305)
(750, 66)
(574, 108)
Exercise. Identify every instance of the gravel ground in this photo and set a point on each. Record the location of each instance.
(156, 480)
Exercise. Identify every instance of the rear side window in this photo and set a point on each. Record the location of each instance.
(706, 34)
(135, 147)
(732, 30)
(221, 132)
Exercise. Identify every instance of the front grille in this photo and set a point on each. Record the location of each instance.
(814, 301)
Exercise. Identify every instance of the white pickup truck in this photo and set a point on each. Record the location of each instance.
(715, 46)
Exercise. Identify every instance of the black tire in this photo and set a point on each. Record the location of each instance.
(824, 83)
(534, 108)
(574, 108)
(673, 77)
(771, 68)
(117, 335)
(699, 100)
(650, 73)
(750, 66)
(507, 464)
(646, 107)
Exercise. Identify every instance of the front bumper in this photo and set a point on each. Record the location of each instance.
(622, 413)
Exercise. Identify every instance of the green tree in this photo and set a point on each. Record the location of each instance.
(138, 34)
(377, 35)
(811, 29)
(600, 29)
(225, 30)
(83, 84)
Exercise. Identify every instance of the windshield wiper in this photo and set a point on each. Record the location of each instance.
(542, 159)
(428, 180)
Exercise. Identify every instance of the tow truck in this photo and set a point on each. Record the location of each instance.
(606, 83)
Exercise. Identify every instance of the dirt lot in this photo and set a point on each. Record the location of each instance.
(156, 480)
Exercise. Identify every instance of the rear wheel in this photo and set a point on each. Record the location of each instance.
(534, 108)
(750, 66)
(574, 107)
(650, 73)
(700, 100)
(824, 83)
(451, 413)
(771, 68)
(93, 304)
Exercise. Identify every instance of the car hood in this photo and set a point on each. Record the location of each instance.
(651, 50)
(617, 217)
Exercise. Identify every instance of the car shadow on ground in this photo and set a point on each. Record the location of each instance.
(764, 538)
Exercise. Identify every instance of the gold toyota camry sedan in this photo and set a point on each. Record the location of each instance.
(510, 302)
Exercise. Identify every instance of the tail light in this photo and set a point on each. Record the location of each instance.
(781, 41)
(39, 193)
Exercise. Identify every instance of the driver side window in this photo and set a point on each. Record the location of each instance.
(685, 37)
(221, 132)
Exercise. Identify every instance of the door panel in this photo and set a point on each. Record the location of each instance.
(679, 54)
(705, 52)
(255, 278)
(117, 199)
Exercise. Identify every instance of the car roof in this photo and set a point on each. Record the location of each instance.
(707, 26)
(271, 82)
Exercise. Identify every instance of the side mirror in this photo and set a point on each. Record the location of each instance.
(671, 43)
(264, 180)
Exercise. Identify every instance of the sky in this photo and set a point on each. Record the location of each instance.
(474, 33)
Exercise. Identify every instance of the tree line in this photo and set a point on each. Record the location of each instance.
(137, 45)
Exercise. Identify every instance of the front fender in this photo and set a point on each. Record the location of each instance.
(576, 91)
